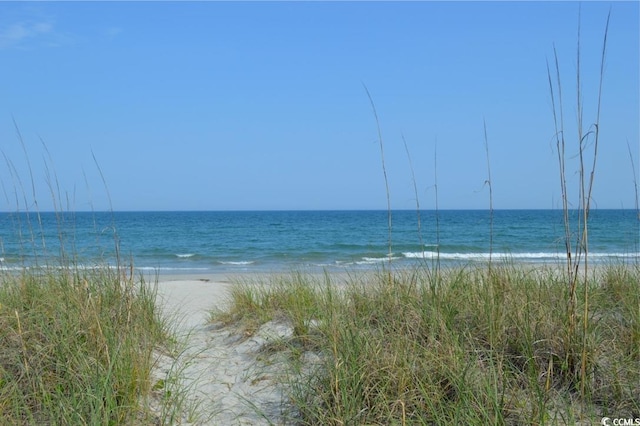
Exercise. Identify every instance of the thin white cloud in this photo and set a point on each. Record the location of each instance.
(20, 33)
(113, 32)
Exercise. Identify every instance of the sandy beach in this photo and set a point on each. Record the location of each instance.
(225, 380)
(222, 375)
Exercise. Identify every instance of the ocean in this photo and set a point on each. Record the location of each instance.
(267, 241)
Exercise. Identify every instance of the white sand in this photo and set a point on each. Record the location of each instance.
(222, 377)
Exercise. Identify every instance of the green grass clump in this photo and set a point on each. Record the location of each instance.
(76, 347)
(467, 346)
(254, 302)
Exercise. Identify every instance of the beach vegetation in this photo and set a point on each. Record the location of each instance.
(472, 347)
(499, 343)
(78, 339)
(76, 346)
(576, 229)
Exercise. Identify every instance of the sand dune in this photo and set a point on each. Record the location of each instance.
(223, 378)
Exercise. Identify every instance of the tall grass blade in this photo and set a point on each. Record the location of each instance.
(488, 182)
(415, 191)
(384, 172)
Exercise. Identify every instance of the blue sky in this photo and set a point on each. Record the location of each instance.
(242, 105)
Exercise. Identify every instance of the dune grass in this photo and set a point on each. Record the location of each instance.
(76, 346)
(499, 344)
(77, 342)
(467, 346)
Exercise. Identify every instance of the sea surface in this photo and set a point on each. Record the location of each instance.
(263, 241)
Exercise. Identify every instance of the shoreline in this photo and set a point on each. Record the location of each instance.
(231, 277)
(223, 367)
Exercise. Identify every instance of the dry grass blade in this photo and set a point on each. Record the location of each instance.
(384, 172)
(415, 191)
(488, 182)
(435, 186)
(577, 356)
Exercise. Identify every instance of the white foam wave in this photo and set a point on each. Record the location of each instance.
(367, 261)
(377, 259)
(59, 268)
(186, 255)
(478, 256)
(511, 256)
(167, 268)
(238, 263)
(13, 268)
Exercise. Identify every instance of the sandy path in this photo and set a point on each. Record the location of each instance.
(227, 381)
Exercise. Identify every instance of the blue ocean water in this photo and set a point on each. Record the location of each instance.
(259, 241)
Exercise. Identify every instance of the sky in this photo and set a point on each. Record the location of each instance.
(264, 105)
